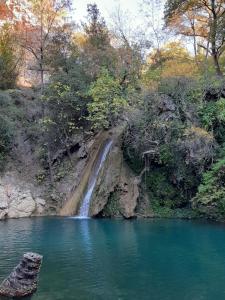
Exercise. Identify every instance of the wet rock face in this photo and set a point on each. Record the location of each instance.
(115, 176)
(23, 280)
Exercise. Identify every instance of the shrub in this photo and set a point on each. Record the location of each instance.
(212, 116)
(210, 199)
(161, 190)
(8, 60)
(5, 139)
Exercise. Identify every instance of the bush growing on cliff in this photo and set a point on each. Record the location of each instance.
(212, 117)
(210, 199)
(161, 190)
(165, 138)
(5, 139)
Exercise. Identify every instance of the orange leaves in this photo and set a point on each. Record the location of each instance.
(13, 12)
(6, 11)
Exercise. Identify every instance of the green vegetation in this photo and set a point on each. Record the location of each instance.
(9, 59)
(167, 144)
(11, 114)
(210, 199)
(213, 118)
(5, 139)
(108, 101)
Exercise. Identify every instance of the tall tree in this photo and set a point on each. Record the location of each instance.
(171, 60)
(43, 17)
(96, 28)
(130, 46)
(97, 51)
(204, 20)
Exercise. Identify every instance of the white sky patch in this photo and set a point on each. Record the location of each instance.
(136, 17)
(106, 7)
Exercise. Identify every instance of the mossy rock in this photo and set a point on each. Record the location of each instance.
(112, 208)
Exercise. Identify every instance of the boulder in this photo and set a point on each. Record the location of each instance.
(17, 199)
(82, 152)
(40, 205)
(21, 204)
(23, 280)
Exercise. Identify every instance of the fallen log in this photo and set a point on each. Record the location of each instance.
(23, 280)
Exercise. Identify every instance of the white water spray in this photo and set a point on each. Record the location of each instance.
(84, 209)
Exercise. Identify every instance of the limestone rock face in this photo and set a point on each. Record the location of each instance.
(17, 200)
(40, 205)
(83, 171)
(129, 192)
(115, 176)
(21, 204)
(3, 203)
(23, 280)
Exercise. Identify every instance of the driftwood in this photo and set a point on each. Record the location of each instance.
(23, 280)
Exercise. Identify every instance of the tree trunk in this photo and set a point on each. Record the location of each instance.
(42, 76)
(194, 39)
(214, 37)
(216, 63)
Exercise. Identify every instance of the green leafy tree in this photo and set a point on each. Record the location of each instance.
(61, 120)
(97, 51)
(96, 29)
(108, 101)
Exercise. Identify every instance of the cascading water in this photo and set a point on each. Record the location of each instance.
(84, 209)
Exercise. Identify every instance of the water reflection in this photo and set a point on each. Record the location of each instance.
(84, 225)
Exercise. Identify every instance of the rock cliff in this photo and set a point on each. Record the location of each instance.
(117, 191)
(19, 199)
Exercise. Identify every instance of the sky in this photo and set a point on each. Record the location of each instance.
(107, 7)
(133, 9)
(136, 21)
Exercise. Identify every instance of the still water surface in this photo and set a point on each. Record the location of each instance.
(116, 259)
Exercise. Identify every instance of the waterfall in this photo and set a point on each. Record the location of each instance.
(84, 209)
